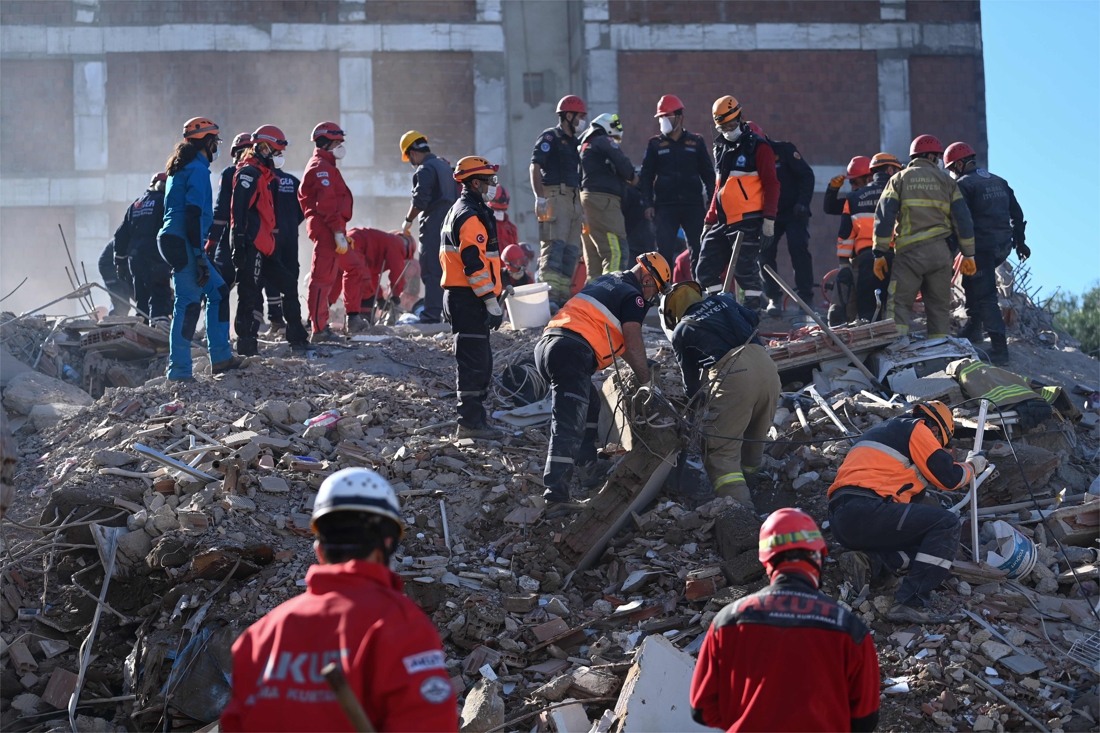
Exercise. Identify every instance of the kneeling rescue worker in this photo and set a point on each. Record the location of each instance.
(787, 658)
(871, 509)
(353, 613)
(715, 339)
(600, 322)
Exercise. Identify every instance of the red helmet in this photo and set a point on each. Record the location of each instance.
(501, 200)
(756, 128)
(956, 152)
(242, 140)
(159, 177)
(789, 529)
(271, 135)
(514, 256)
(859, 166)
(669, 104)
(572, 103)
(329, 131)
(925, 144)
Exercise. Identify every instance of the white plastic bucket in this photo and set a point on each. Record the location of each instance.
(1017, 554)
(529, 306)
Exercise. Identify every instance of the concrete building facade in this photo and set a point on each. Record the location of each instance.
(93, 93)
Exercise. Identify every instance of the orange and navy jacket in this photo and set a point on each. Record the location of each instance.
(252, 213)
(747, 187)
(897, 460)
(381, 252)
(470, 252)
(857, 210)
(355, 614)
(599, 309)
(786, 658)
(326, 200)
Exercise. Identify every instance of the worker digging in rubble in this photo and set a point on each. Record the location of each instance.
(677, 180)
(507, 233)
(792, 219)
(514, 272)
(605, 172)
(602, 321)
(327, 204)
(252, 224)
(715, 344)
(856, 281)
(434, 192)
(556, 182)
(136, 255)
(788, 657)
(998, 229)
(470, 257)
(872, 512)
(381, 252)
(746, 199)
(926, 205)
(354, 614)
(217, 247)
(188, 212)
(288, 217)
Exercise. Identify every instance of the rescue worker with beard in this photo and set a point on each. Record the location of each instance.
(288, 217)
(998, 229)
(217, 245)
(252, 235)
(602, 321)
(381, 252)
(470, 257)
(872, 512)
(506, 230)
(788, 657)
(136, 253)
(353, 613)
(605, 172)
(746, 199)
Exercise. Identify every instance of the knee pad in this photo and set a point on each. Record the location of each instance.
(190, 320)
(223, 306)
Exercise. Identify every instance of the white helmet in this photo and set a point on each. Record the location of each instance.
(609, 123)
(357, 490)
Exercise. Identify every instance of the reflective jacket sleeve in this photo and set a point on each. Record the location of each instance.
(834, 202)
(765, 168)
(222, 204)
(934, 463)
(649, 173)
(1016, 216)
(863, 681)
(805, 175)
(706, 169)
(886, 215)
(705, 683)
(122, 236)
(474, 266)
(961, 221)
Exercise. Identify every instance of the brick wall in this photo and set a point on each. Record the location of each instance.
(36, 117)
(745, 11)
(943, 11)
(151, 95)
(948, 99)
(431, 92)
(144, 12)
(31, 248)
(422, 11)
(37, 12)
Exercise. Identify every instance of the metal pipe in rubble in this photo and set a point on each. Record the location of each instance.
(727, 285)
(978, 439)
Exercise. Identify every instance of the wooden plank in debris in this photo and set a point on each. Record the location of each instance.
(819, 347)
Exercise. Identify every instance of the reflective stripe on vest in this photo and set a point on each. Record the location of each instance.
(879, 468)
(742, 195)
(589, 318)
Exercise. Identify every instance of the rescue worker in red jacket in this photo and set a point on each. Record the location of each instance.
(470, 256)
(600, 322)
(352, 613)
(217, 246)
(746, 199)
(506, 230)
(327, 205)
(381, 252)
(252, 236)
(514, 273)
(871, 507)
(788, 657)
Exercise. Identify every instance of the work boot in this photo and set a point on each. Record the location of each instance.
(856, 569)
(485, 432)
(774, 308)
(246, 347)
(233, 362)
(998, 352)
(303, 349)
(355, 323)
(593, 474)
(162, 323)
(324, 336)
(972, 331)
(275, 324)
(752, 302)
(559, 509)
(907, 614)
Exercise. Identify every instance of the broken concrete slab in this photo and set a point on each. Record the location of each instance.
(60, 688)
(44, 417)
(28, 389)
(569, 719)
(656, 691)
(274, 485)
(1022, 663)
(484, 708)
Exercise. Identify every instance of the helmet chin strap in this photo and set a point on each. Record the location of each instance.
(806, 568)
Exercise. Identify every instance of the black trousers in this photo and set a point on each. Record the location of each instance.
(223, 259)
(797, 232)
(917, 537)
(111, 281)
(287, 254)
(431, 271)
(152, 282)
(714, 257)
(669, 221)
(473, 354)
(981, 294)
(254, 270)
(568, 364)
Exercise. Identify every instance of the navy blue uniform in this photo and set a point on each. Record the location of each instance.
(677, 179)
(796, 191)
(222, 253)
(288, 217)
(707, 332)
(639, 230)
(559, 157)
(434, 191)
(135, 242)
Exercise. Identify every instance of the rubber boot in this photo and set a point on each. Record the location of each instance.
(972, 331)
(998, 352)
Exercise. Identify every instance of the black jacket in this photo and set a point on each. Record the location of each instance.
(434, 184)
(707, 332)
(219, 230)
(140, 225)
(604, 166)
(288, 211)
(998, 218)
(558, 155)
(673, 169)
(796, 178)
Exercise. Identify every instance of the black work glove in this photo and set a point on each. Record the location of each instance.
(202, 271)
(801, 211)
(1023, 251)
(845, 277)
(122, 270)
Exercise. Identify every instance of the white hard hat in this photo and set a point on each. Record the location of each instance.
(357, 490)
(609, 123)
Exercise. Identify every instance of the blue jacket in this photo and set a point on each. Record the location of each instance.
(189, 189)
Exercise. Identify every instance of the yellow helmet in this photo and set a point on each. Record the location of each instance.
(407, 141)
(676, 302)
(725, 110)
(656, 265)
(473, 165)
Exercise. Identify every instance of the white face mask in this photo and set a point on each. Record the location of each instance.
(490, 193)
(498, 215)
(278, 161)
(339, 151)
(579, 125)
(732, 135)
(215, 155)
(666, 124)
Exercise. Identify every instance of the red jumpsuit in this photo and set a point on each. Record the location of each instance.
(383, 252)
(327, 203)
(506, 232)
(355, 611)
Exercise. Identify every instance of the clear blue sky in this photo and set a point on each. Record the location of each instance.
(1042, 80)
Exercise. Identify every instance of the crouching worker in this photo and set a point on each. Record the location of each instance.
(871, 509)
(353, 613)
(787, 658)
(714, 340)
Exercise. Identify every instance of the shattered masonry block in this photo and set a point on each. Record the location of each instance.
(736, 531)
(744, 568)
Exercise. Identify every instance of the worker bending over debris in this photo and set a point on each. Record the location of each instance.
(600, 322)
(217, 247)
(787, 658)
(715, 340)
(136, 255)
(470, 257)
(871, 509)
(380, 252)
(354, 614)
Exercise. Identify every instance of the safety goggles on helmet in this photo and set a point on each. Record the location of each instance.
(662, 284)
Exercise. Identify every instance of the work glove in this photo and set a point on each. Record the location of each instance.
(969, 266)
(978, 461)
(407, 227)
(801, 211)
(882, 267)
(845, 276)
(341, 242)
(122, 270)
(767, 237)
(542, 209)
(494, 316)
(202, 271)
(1023, 251)
(209, 247)
(837, 181)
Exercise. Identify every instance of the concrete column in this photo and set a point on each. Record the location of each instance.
(603, 61)
(90, 115)
(490, 108)
(357, 120)
(895, 128)
(489, 11)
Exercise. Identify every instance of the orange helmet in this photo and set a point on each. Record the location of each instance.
(473, 165)
(940, 415)
(572, 103)
(725, 110)
(669, 104)
(925, 144)
(859, 166)
(198, 128)
(656, 265)
(501, 200)
(271, 135)
(885, 159)
(956, 152)
(327, 130)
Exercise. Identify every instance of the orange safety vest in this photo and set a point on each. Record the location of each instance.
(590, 319)
(740, 191)
(466, 226)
